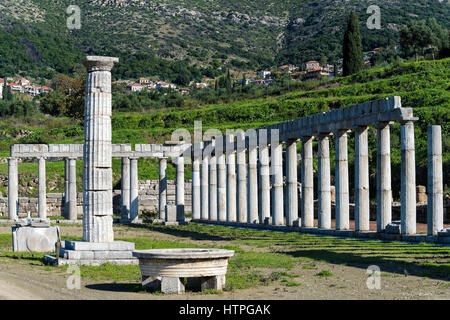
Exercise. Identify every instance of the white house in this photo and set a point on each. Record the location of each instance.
(136, 87)
(264, 73)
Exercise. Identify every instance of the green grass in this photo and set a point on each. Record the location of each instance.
(324, 274)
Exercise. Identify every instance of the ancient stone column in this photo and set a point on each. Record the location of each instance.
(265, 182)
(408, 179)
(435, 208)
(13, 185)
(162, 188)
(324, 185)
(97, 160)
(42, 190)
(342, 196)
(196, 196)
(73, 189)
(125, 194)
(277, 185)
(384, 190)
(66, 188)
(179, 194)
(222, 184)
(362, 200)
(242, 177)
(231, 179)
(213, 188)
(307, 178)
(292, 192)
(253, 216)
(134, 189)
(204, 172)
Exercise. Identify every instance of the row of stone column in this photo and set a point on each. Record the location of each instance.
(222, 192)
(130, 189)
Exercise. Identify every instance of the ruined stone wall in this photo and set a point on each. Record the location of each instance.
(148, 200)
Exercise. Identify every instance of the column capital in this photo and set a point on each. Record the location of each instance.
(360, 127)
(382, 124)
(409, 121)
(322, 135)
(99, 63)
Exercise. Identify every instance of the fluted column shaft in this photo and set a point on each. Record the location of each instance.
(242, 178)
(13, 184)
(342, 189)
(204, 172)
(307, 178)
(73, 212)
(222, 186)
(253, 216)
(435, 208)
(265, 182)
(125, 194)
(196, 196)
(213, 188)
(97, 155)
(179, 195)
(324, 184)
(231, 186)
(66, 187)
(384, 190)
(362, 200)
(292, 192)
(277, 185)
(134, 189)
(162, 188)
(42, 194)
(408, 179)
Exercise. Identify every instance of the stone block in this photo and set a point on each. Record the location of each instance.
(393, 228)
(34, 239)
(213, 283)
(109, 246)
(171, 213)
(172, 285)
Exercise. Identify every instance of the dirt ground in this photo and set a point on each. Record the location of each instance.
(25, 281)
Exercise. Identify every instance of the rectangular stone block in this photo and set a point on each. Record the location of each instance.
(31, 239)
(99, 246)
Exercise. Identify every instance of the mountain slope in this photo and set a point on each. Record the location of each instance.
(245, 34)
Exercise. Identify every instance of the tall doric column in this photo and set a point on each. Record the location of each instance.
(42, 196)
(196, 196)
(13, 184)
(125, 194)
(408, 179)
(307, 177)
(277, 185)
(324, 186)
(97, 175)
(66, 188)
(292, 192)
(231, 178)
(264, 180)
(384, 191)
(162, 188)
(362, 200)
(204, 172)
(242, 177)
(342, 196)
(213, 188)
(73, 212)
(435, 209)
(253, 216)
(134, 189)
(221, 181)
(179, 195)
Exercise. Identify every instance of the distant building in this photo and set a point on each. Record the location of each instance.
(311, 65)
(15, 87)
(2, 82)
(136, 87)
(24, 82)
(201, 85)
(316, 73)
(264, 74)
(164, 85)
(30, 90)
(144, 81)
(44, 90)
(184, 90)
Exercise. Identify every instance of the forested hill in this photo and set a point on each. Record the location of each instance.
(185, 39)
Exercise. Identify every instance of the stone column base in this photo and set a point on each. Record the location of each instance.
(174, 285)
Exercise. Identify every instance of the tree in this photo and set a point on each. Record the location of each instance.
(228, 82)
(352, 47)
(7, 94)
(416, 36)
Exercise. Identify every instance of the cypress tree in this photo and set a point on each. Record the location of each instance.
(352, 47)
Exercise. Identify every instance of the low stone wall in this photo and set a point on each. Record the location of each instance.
(148, 200)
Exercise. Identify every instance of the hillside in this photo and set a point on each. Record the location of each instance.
(201, 34)
(423, 86)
